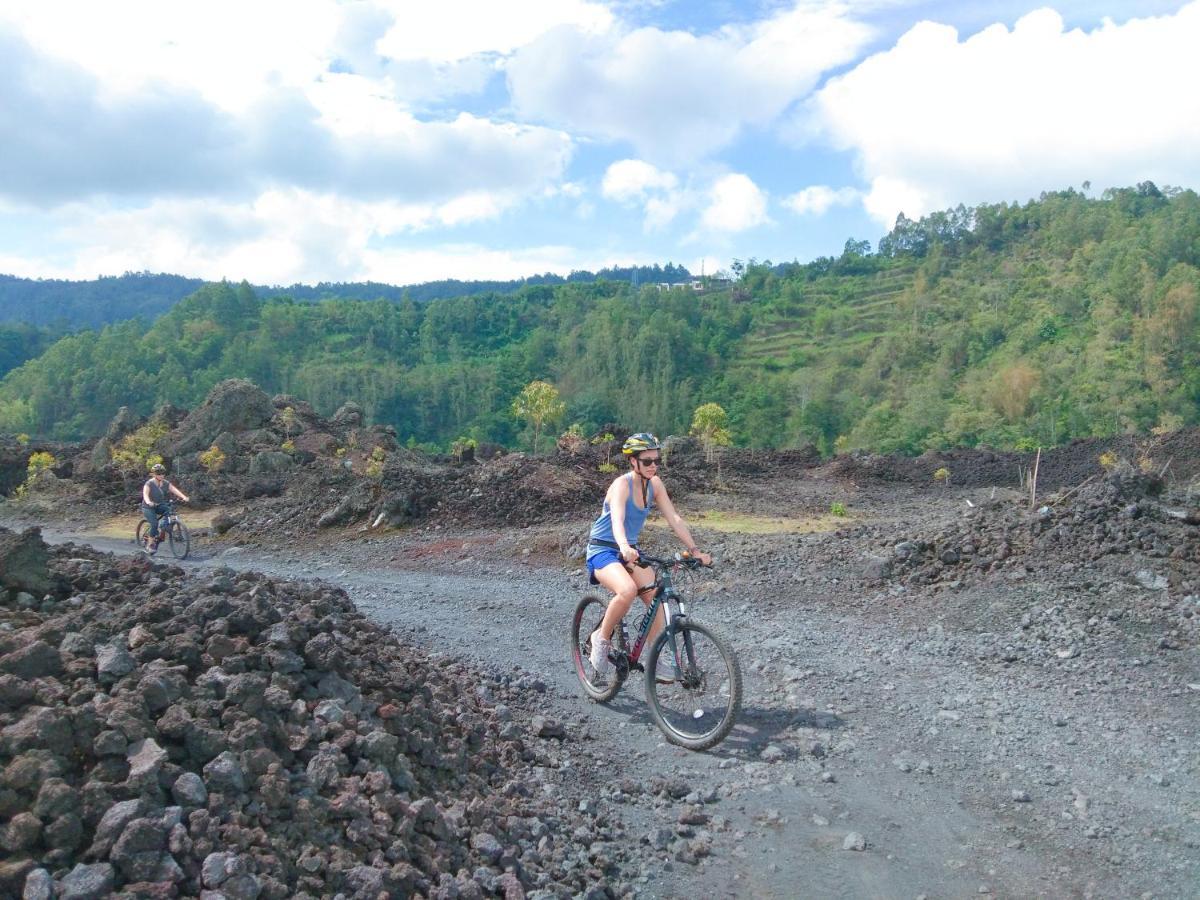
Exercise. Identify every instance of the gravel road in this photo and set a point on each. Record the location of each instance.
(875, 757)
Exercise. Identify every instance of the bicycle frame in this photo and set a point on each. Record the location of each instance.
(667, 597)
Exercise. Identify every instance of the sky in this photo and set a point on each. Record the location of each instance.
(403, 141)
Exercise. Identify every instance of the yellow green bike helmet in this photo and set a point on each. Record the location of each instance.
(637, 443)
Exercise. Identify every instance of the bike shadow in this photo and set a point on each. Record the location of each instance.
(757, 727)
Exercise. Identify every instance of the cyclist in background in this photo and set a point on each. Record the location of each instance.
(156, 493)
(612, 545)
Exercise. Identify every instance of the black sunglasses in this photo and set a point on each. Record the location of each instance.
(654, 461)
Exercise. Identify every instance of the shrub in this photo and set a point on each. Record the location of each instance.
(23, 439)
(374, 468)
(1108, 460)
(942, 475)
(464, 448)
(135, 453)
(288, 446)
(289, 420)
(572, 440)
(213, 459)
(837, 509)
(340, 452)
(1167, 423)
(606, 467)
(39, 462)
(379, 454)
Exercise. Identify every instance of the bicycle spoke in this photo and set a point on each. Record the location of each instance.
(698, 707)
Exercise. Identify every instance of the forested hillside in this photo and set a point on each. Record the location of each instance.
(1001, 325)
(75, 305)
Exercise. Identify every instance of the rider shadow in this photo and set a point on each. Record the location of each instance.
(758, 726)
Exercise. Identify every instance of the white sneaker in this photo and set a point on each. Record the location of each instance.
(666, 671)
(599, 655)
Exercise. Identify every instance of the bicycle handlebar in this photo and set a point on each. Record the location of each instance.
(679, 559)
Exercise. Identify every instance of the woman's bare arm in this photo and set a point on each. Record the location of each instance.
(663, 500)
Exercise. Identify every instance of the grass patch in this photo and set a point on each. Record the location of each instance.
(743, 523)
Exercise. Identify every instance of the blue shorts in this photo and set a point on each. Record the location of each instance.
(606, 557)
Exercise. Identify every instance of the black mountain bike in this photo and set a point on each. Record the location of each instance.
(176, 532)
(693, 679)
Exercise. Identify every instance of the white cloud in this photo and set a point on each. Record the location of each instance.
(1004, 115)
(631, 179)
(451, 30)
(735, 204)
(673, 95)
(69, 137)
(283, 236)
(231, 53)
(818, 199)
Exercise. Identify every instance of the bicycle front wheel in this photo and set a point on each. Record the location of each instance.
(179, 539)
(600, 687)
(698, 707)
(139, 535)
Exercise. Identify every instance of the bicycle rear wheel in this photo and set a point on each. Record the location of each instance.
(588, 615)
(179, 539)
(699, 707)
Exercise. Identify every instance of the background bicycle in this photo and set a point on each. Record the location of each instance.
(170, 528)
(693, 679)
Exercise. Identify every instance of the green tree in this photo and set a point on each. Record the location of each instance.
(539, 405)
(711, 424)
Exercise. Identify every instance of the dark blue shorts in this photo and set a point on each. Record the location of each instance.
(606, 557)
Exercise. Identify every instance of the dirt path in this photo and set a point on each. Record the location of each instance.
(961, 776)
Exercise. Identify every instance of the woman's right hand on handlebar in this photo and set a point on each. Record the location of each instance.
(628, 554)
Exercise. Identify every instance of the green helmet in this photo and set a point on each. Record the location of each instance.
(636, 443)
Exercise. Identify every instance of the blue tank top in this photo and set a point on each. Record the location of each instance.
(635, 518)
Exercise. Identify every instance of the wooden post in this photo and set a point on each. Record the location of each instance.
(1033, 479)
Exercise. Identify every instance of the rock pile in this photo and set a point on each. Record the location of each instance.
(1114, 529)
(240, 737)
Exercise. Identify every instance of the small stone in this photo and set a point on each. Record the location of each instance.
(39, 885)
(87, 882)
(225, 775)
(189, 790)
(487, 846)
(547, 728)
(145, 758)
(21, 833)
(772, 753)
(113, 663)
(1020, 796)
(854, 841)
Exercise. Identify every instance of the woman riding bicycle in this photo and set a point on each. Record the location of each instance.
(156, 493)
(612, 546)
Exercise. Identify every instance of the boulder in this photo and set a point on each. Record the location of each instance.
(317, 442)
(101, 454)
(352, 507)
(222, 522)
(234, 405)
(349, 415)
(270, 462)
(24, 562)
(122, 424)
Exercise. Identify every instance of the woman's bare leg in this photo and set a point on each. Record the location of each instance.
(616, 579)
